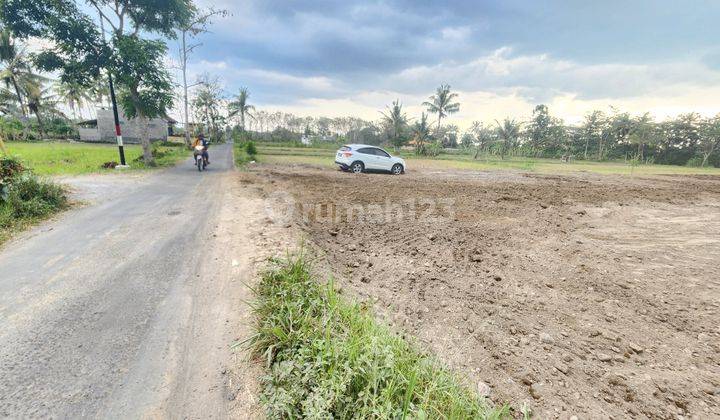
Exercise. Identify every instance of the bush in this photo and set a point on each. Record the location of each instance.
(250, 149)
(32, 197)
(10, 167)
(25, 197)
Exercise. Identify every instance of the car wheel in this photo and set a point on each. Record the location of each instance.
(357, 167)
(397, 169)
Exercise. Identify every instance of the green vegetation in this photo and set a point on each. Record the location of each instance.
(242, 156)
(250, 149)
(465, 161)
(56, 158)
(329, 358)
(25, 198)
(82, 55)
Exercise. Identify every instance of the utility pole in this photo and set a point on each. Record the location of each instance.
(118, 132)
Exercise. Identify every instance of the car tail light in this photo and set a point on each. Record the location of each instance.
(347, 154)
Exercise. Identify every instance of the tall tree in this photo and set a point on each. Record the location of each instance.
(709, 138)
(36, 100)
(592, 130)
(241, 107)
(74, 95)
(17, 71)
(396, 122)
(539, 129)
(483, 135)
(644, 131)
(421, 134)
(188, 30)
(207, 104)
(442, 103)
(79, 52)
(508, 132)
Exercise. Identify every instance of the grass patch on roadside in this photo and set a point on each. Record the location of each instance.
(25, 198)
(59, 158)
(244, 152)
(329, 358)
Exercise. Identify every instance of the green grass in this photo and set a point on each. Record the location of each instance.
(329, 358)
(325, 158)
(58, 158)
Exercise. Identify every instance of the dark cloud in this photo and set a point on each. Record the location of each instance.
(361, 45)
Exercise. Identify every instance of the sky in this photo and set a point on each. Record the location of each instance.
(353, 58)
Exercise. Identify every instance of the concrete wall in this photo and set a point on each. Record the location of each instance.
(131, 129)
(89, 134)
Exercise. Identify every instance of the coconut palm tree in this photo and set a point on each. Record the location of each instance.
(508, 131)
(396, 122)
(441, 103)
(17, 68)
(74, 95)
(241, 107)
(40, 100)
(421, 134)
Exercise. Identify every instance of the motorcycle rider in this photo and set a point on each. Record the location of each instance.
(200, 141)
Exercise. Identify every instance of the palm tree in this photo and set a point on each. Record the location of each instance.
(396, 121)
(508, 131)
(40, 100)
(74, 95)
(241, 107)
(421, 134)
(482, 134)
(17, 69)
(441, 103)
(100, 91)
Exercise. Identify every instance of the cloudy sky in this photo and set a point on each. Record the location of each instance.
(350, 57)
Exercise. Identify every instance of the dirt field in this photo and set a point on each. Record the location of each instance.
(582, 295)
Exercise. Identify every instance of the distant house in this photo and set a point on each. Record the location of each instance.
(102, 129)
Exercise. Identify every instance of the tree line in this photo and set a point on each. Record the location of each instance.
(688, 139)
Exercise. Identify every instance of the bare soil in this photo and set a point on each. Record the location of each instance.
(583, 295)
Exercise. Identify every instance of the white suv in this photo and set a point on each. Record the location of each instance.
(365, 158)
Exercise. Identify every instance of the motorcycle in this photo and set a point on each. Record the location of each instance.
(199, 158)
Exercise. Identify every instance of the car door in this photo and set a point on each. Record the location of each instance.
(383, 160)
(369, 157)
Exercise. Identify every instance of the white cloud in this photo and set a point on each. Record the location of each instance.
(456, 34)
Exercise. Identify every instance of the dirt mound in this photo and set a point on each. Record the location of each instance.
(575, 295)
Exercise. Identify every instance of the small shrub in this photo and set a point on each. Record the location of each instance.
(10, 167)
(250, 149)
(33, 197)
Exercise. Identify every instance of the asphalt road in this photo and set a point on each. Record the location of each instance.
(115, 309)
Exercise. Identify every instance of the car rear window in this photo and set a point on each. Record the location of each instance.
(345, 148)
